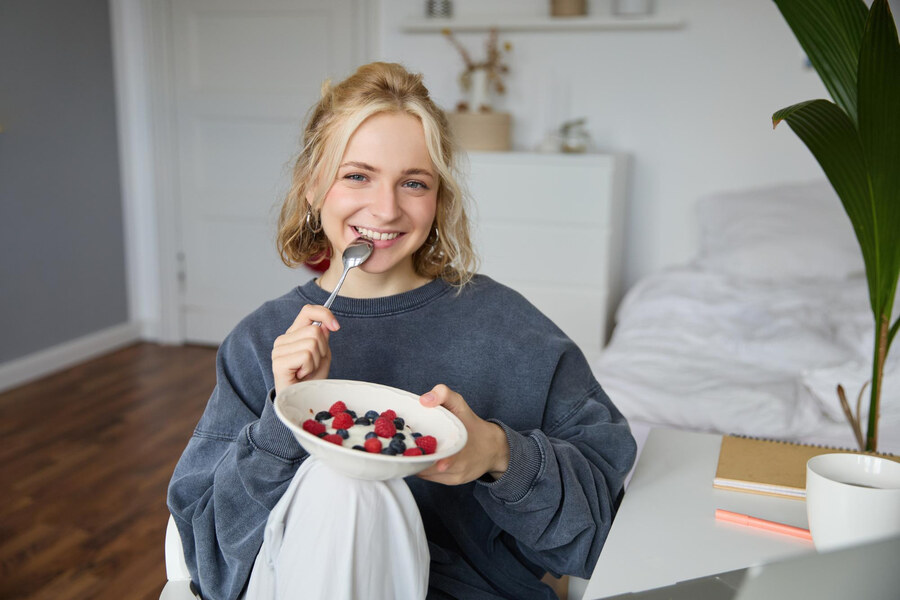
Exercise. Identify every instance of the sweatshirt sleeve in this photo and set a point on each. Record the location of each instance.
(237, 465)
(558, 497)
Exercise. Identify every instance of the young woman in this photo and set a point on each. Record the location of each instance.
(536, 487)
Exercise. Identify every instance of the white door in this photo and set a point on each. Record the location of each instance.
(246, 74)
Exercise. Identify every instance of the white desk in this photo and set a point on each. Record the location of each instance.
(666, 531)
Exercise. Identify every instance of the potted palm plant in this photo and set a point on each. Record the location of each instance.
(856, 140)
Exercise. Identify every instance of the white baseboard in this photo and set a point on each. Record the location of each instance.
(56, 358)
(150, 331)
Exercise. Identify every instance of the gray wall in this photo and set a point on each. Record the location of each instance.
(62, 267)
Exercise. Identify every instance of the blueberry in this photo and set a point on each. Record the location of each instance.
(371, 434)
(323, 415)
(352, 413)
(397, 446)
(399, 422)
(399, 436)
(363, 421)
(371, 414)
(358, 447)
(417, 434)
(323, 434)
(343, 433)
(390, 451)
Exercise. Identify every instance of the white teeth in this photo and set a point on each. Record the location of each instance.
(375, 235)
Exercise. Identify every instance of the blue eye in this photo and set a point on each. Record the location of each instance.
(355, 177)
(416, 185)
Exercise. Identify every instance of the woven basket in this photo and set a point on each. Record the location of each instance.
(482, 131)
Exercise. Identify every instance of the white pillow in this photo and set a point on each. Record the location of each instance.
(788, 232)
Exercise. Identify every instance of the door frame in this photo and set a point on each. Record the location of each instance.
(146, 117)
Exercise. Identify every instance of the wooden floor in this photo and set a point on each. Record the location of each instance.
(85, 460)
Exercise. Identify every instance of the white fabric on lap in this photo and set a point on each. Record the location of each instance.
(334, 537)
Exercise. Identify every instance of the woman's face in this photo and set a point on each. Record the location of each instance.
(385, 190)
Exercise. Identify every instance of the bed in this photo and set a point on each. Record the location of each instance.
(753, 336)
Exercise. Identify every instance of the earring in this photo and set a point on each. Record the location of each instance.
(313, 229)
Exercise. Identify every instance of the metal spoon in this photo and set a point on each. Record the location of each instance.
(354, 255)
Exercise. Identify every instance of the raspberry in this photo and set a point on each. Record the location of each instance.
(337, 408)
(373, 445)
(427, 443)
(314, 427)
(334, 439)
(342, 421)
(384, 427)
(389, 414)
(413, 452)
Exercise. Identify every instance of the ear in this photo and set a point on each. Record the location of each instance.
(311, 192)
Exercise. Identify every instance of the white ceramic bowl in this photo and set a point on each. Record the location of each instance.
(851, 499)
(301, 401)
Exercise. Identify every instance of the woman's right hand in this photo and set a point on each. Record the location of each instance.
(302, 352)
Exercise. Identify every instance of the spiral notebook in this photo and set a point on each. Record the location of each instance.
(770, 467)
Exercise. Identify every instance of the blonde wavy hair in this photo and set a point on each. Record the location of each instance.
(375, 88)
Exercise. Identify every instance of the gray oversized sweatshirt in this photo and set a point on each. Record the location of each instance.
(570, 448)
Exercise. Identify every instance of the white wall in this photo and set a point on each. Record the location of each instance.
(692, 106)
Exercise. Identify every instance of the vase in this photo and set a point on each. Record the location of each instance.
(479, 93)
(632, 8)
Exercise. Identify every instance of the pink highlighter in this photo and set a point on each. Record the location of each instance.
(733, 517)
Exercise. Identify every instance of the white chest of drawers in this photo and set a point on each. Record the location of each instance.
(550, 226)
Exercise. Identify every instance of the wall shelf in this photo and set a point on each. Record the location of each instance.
(536, 23)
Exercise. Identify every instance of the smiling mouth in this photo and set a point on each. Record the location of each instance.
(375, 235)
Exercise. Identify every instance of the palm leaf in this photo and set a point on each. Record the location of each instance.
(830, 135)
(830, 33)
(879, 133)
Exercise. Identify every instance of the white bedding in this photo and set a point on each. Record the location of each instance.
(712, 349)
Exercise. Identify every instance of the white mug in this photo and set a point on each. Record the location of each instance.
(851, 499)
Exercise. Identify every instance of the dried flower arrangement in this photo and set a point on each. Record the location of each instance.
(492, 68)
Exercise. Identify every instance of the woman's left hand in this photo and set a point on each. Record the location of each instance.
(486, 451)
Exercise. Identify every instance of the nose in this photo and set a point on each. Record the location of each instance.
(385, 203)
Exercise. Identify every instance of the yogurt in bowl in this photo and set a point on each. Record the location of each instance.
(302, 401)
